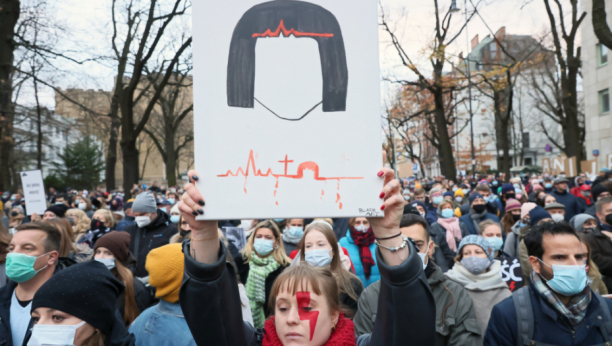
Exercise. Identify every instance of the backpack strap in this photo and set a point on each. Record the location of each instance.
(524, 316)
(606, 326)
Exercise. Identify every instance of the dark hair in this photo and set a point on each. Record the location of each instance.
(411, 220)
(62, 195)
(419, 191)
(482, 187)
(53, 241)
(533, 239)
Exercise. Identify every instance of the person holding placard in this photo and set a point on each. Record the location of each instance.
(305, 298)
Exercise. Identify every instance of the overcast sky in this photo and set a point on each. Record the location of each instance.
(413, 21)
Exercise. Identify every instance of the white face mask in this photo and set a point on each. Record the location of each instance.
(82, 206)
(49, 334)
(557, 217)
(459, 199)
(143, 221)
(108, 262)
(424, 256)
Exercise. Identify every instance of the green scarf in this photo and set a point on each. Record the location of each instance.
(259, 269)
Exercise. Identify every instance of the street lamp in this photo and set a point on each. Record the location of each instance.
(454, 8)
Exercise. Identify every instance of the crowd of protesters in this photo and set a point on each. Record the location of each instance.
(465, 261)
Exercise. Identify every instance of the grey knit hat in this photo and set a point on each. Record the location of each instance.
(579, 220)
(144, 203)
(473, 239)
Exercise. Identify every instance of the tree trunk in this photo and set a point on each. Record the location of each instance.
(111, 155)
(130, 166)
(503, 111)
(574, 147)
(445, 149)
(600, 25)
(39, 137)
(9, 14)
(170, 155)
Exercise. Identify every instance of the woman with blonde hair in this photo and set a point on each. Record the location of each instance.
(102, 223)
(81, 222)
(77, 252)
(319, 248)
(261, 261)
(184, 232)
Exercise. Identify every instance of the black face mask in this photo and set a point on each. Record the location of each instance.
(95, 224)
(510, 195)
(479, 208)
(14, 213)
(516, 217)
(183, 233)
(609, 219)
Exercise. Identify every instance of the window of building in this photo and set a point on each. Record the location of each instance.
(604, 101)
(525, 139)
(602, 54)
(528, 161)
(493, 49)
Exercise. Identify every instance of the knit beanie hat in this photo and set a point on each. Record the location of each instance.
(512, 204)
(144, 203)
(526, 208)
(578, 221)
(538, 214)
(58, 209)
(86, 290)
(410, 209)
(473, 239)
(448, 194)
(507, 187)
(459, 192)
(165, 266)
(175, 209)
(475, 196)
(418, 202)
(597, 190)
(537, 187)
(116, 242)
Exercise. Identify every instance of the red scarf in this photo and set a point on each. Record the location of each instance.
(588, 200)
(363, 241)
(343, 335)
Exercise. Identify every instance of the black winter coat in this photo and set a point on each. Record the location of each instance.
(210, 301)
(156, 234)
(142, 295)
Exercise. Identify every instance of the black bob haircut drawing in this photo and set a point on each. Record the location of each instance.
(301, 19)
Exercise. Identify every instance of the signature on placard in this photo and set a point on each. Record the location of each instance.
(370, 212)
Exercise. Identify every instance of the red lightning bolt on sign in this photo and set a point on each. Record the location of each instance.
(512, 286)
(303, 300)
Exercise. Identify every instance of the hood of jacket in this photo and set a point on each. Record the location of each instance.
(482, 282)
(516, 227)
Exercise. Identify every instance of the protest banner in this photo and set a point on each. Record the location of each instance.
(546, 166)
(287, 108)
(511, 273)
(589, 167)
(33, 192)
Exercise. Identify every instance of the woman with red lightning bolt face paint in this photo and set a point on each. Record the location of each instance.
(306, 298)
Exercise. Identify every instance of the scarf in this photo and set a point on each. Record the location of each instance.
(577, 308)
(259, 269)
(453, 231)
(587, 200)
(477, 218)
(363, 241)
(343, 335)
(291, 239)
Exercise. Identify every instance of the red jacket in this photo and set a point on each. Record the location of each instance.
(576, 191)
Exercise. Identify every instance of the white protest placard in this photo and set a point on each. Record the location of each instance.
(34, 192)
(287, 108)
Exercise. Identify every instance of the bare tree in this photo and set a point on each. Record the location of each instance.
(600, 25)
(439, 86)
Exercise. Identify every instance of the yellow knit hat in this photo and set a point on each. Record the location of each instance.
(165, 266)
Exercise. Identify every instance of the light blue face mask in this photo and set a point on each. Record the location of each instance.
(447, 213)
(279, 220)
(318, 258)
(548, 185)
(171, 201)
(175, 219)
(438, 200)
(263, 246)
(163, 209)
(496, 243)
(568, 280)
(296, 232)
(424, 255)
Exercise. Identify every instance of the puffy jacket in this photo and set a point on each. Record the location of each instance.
(601, 254)
(348, 243)
(127, 221)
(550, 327)
(154, 235)
(456, 322)
(572, 206)
(209, 299)
(469, 223)
(161, 325)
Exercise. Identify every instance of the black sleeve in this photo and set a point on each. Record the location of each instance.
(406, 308)
(142, 295)
(210, 301)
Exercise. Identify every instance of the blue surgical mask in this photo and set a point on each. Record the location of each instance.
(318, 258)
(447, 213)
(263, 246)
(424, 255)
(163, 209)
(438, 200)
(486, 199)
(108, 262)
(59, 203)
(361, 228)
(171, 201)
(496, 243)
(175, 219)
(548, 185)
(459, 199)
(568, 280)
(494, 183)
(13, 198)
(296, 232)
(279, 220)
(455, 188)
(466, 191)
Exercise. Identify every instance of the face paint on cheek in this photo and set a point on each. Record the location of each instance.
(303, 300)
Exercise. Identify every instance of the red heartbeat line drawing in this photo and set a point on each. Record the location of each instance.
(286, 33)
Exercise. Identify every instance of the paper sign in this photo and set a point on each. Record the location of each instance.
(511, 273)
(235, 235)
(589, 167)
(287, 108)
(546, 166)
(34, 192)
